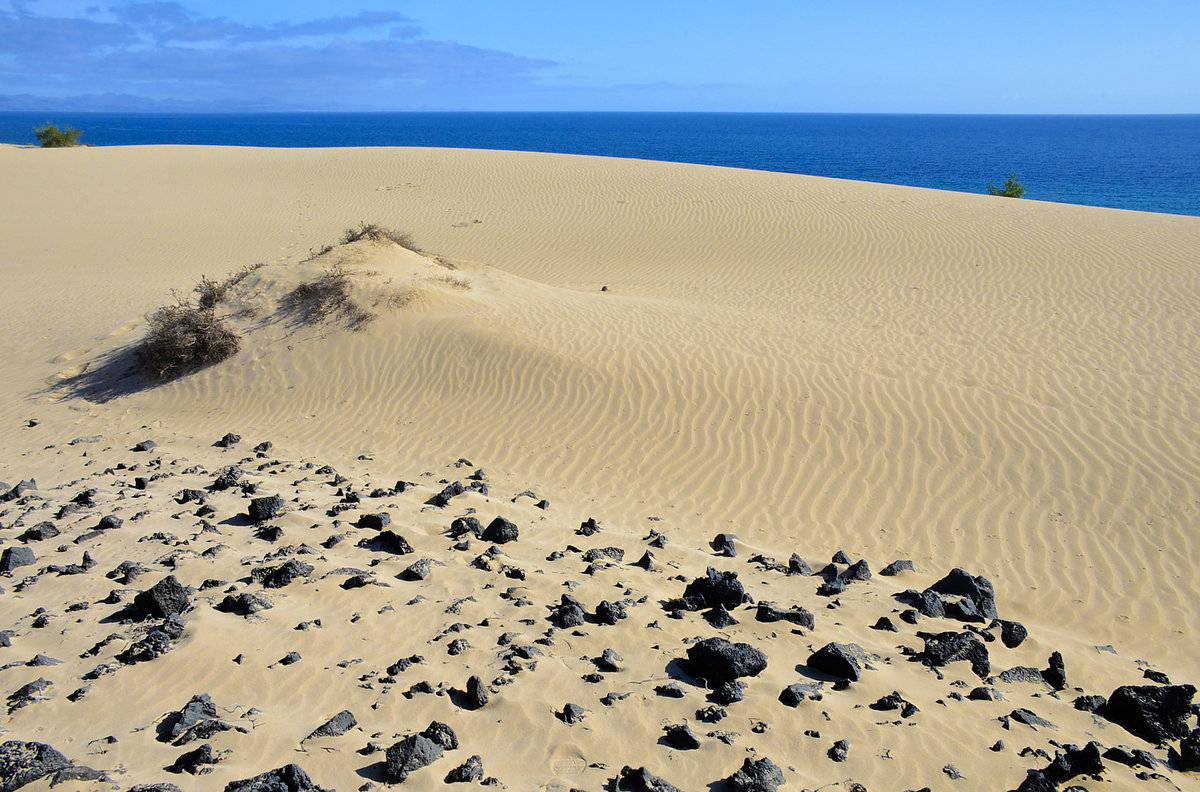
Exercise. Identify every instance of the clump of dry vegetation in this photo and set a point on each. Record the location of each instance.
(189, 335)
(326, 297)
(376, 233)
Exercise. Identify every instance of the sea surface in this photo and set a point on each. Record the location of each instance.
(1145, 163)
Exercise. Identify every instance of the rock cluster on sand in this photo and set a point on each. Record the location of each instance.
(305, 602)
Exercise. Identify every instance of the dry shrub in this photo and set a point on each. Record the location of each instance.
(454, 282)
(378, 234)
(210, 292)
(182, 338)
(327, 296)
(398, 299)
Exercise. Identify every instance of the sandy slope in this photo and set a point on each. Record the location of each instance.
(1007, 386)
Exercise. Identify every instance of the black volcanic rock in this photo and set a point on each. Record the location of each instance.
(642, 780)
(14, 557)
(1157, 713)
(978, 589)
(282, 575)
(468, 771)
(387, 542)
(896, 567)
(798, 615)
(375, 522)
(1056, 674)
(844, 661)
(500, 531)
(1012, 633)
(1073, 761)
(289, 778)
(477, 693)
(244, 604)
(723, 544)
(167, 597)
(716, 660)
(1188, 755)
(266, 508)
(411, 753)
(949, 647)
(756, 775)
(336, 726)
(23, 763)
(717, 588)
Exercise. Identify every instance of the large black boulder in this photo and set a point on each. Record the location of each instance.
(949, 647)
(1188, 755)
(263, 509)
(1073, 761)
(14, 557)
(289, 778)
(757, 775)
(167, 597)
(1156, 712)
(411, 753)
(717, 588)
(977, 588)
(500, 531)
(844, 661)
(23, 763)
(280, 576)
(716, 660)
(642, 780)
(798, 615)
(387, 542)
(336, 726)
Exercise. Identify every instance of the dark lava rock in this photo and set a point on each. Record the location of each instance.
(949, 647)
(463, 526)
(375, 522)
(728, 692)
(155, 644)
(1089, 703)
(609, 661)
(571, 714)
(1073, 761)
(840, 557)
(228, 478)
(442, 499)
(798, 615)
(145, 445)
(280, 576)
(978, 589)
(896, 567)
(568, 613)
(266, 508)
(1156, 713)
(716, 660)
(167, 597)
(719, 617)
(724, 545)
(839, 750)
(27, 694)
(757, 775)
(1012, 633)
(681, 737)
(418, 570)
(985, 694)
(884, 624)
(477, 693)
(1027, 674)
(717, 588)
(191, 761)
(844, 661)
(588, 527)
(500, 531)
(336, 726)
(798, 566)
(1056, 674)
(14, 557)
(411, 753)
(40, 532)
(1030, 718)
(670, 690)
(289, 778)
(711, 714)
(387, 542)
(468, 771)
(604, 553)
(244, 604)
(610, 612)
(441, 734)
(1036, 782)
(793, 694)
(23, 763)
(894, 701)
(1188, 755)
(1131, 757)
(197, 709)
(1156, 676)
(229, 440)
(642, 780)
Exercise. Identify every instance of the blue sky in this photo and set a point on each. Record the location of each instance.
(917, 56)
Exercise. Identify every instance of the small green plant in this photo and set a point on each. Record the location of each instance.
(51, 136)
(1011, 189)
(329, 295)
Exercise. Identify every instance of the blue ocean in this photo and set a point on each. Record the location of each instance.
(1147, 163)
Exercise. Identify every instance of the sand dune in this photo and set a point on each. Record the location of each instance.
(1005, 386)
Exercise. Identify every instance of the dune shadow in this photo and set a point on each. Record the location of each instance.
(111, 376)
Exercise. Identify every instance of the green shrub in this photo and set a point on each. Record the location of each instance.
(1011, 189)
(51, 136)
